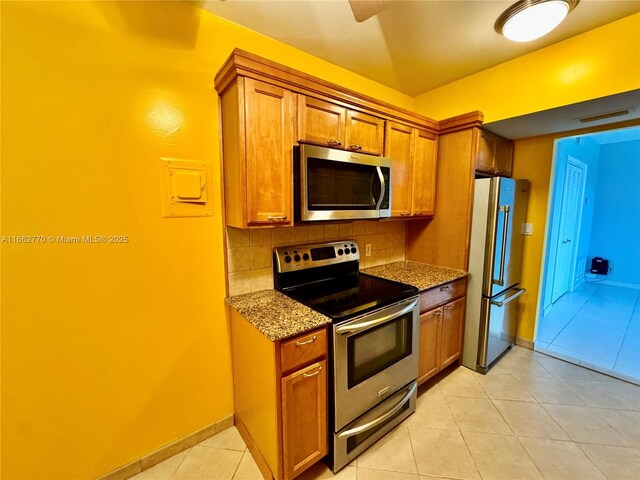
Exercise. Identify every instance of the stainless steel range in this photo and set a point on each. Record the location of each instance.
(374, 341)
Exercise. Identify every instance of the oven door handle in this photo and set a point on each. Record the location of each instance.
(358, 327)
(382, 418)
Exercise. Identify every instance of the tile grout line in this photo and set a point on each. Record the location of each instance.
(181, 461)
(574, 315)
(635, 305)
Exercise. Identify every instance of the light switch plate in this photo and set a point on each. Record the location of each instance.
(185, 188)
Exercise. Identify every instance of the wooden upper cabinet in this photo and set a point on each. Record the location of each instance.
(413, 174)
(399, 148)
(326, 123)
(258, 139)
(364, 133)
(424, 174)
(495, 154)
(321, 122)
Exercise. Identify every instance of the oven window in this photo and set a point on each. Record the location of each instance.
(373, 350)
(335, 185)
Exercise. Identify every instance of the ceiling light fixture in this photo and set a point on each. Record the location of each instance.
(530, 19)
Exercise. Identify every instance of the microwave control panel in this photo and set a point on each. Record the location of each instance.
(300, 257)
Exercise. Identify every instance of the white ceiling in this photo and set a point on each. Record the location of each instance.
(412, 46)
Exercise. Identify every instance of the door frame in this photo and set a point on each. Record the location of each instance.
(573, 255)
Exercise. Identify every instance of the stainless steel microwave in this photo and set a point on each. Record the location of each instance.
(333, 184)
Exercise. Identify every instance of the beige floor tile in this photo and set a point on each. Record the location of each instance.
(598, 394)
(624, 422)
(549, 390)
(247, 470)
(584, 424)
(627, 390)
(321, 472)
(565, 370)
(616, 463)
(500, 457)
(529, 420)
(393, 452)
(523, 365)
(163, 470)
(205, 463)
(461, 382)
(442, 453)
(228, 438)
(432, 411)
(373, 474)
(504, 387)
(477, 415)
(560, 460)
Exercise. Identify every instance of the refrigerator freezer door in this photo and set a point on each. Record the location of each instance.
(497, 326)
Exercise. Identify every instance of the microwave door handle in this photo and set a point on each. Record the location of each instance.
(383, 189)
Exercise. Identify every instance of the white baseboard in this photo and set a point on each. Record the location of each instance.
(620, 284)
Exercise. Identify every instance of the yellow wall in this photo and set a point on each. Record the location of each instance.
(111, 351)
(601, 62)
(533, 160)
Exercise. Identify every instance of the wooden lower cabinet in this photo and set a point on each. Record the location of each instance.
(304, 418)
(441, 327)
(280, 398)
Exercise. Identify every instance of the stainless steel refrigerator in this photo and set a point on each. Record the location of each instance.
(495, 264)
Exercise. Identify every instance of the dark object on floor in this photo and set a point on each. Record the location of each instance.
(599, 266)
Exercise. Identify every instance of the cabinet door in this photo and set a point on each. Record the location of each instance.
(429, 347)
(304, 418)
(364, 133)
(504, 157)
(399, 147)
(452, 318)
(424, 174)
(321, 122)
(486, 152)
(269, 127)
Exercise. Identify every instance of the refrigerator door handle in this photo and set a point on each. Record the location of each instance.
(519, 292)
(505, 236)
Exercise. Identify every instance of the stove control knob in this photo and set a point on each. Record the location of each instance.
(297, 258)
(287, 259)
(353, 250)
(305, 257)
(340, 252)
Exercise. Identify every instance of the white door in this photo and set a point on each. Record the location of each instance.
(570, 211)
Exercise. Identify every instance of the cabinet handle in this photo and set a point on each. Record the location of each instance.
(404, 214)
(355, 147)
(281, 218)
(307, 375)
(445, 288)
(448, 307)
(437, 313)
(418, 213)
(307, 342)
(334, 143)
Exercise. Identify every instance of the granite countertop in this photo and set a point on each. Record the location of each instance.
(421, 275)
(275, 315)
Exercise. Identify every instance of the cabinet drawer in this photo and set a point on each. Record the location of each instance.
(300, 350)
(442, 294)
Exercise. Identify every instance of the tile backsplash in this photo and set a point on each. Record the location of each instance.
(249, 252)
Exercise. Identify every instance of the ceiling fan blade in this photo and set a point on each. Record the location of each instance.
(365, 9)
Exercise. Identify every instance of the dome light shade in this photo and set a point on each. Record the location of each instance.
(531, 19)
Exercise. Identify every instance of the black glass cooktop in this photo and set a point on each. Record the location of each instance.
(352, 295)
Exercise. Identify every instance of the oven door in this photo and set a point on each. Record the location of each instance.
(374, 356)
(336, 184)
